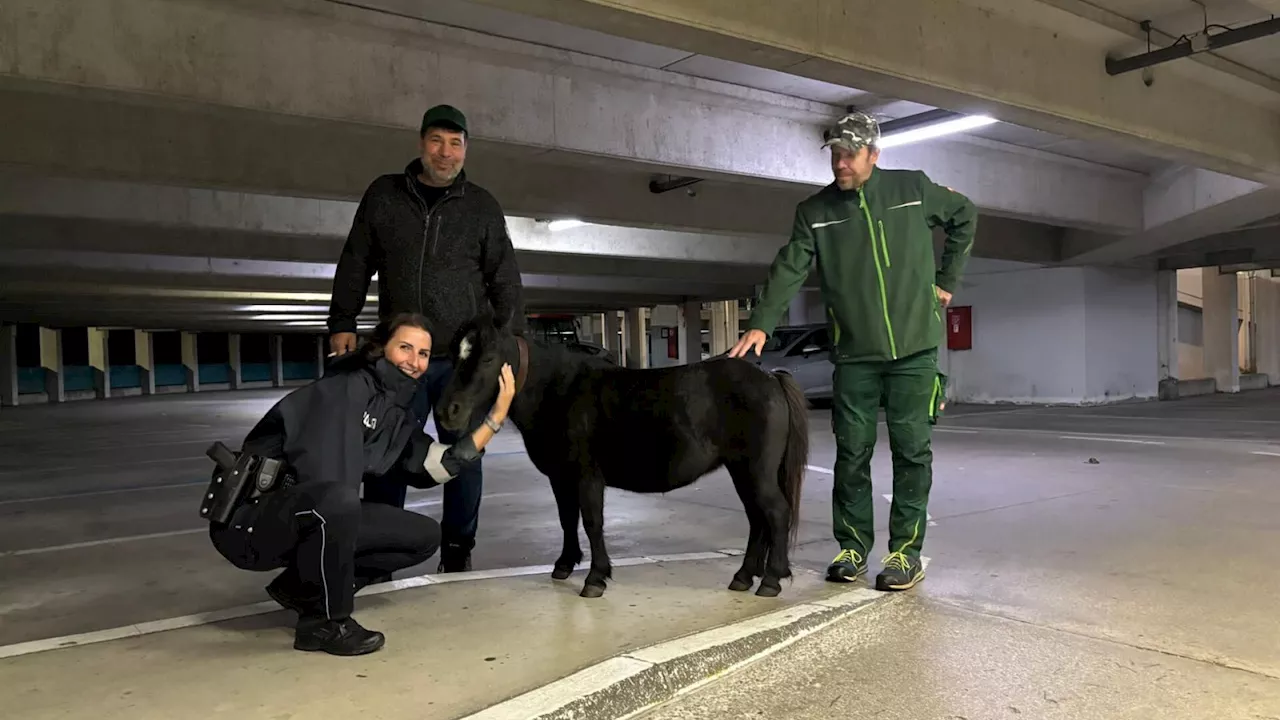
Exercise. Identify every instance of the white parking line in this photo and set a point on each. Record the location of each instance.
(824, 471)
(262, 608)
(95, 543)
(1101, 438)
(192, 531)
(94, 493)
(928, 518)
(1268, 454)
(122, 465)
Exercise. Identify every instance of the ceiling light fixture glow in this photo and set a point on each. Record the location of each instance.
(558, 225)
(929, 132)
(276, 317)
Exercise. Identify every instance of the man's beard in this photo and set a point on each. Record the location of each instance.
(439, 178)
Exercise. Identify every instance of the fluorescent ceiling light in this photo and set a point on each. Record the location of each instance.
(556, 225)
(285, 308)
(322, 323)
(928, 132)
(370, 300)
(275, 317)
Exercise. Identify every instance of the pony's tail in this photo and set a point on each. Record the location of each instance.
(796, 455)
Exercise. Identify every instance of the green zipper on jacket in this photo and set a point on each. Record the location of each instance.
(884, 297)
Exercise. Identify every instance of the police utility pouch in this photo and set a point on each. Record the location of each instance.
(237, 479)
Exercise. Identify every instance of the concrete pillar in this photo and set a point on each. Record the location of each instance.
(1221, 328)
(191, 361)
(637, 339)
(1167, 332)
(613, 335)
(690, 329)
(1267, 317)
(277, 361)
(51, 361)
(321, 355)
(593, 328)
(1244, 301)
(724, 326)
(8, 365)
(236, 375)
(100, 361)
(145, 358)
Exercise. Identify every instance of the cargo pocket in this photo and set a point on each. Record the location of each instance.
(234, 541)
(938, 401)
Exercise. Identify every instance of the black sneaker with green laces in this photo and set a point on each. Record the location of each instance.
(901, 572)
(847, 567)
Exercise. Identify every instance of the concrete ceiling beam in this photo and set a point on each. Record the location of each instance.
(1180, 207)
(1034, 65)
(518, 94)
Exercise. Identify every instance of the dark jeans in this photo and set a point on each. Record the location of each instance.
(908, 388)
(461, 515)
(329, 542)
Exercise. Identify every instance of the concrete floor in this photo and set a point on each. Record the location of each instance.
(1156, 550)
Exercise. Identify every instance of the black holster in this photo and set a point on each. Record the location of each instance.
(237, 479)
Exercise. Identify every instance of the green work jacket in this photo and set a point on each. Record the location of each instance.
(875, 259)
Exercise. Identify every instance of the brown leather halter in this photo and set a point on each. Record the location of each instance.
(523, 373)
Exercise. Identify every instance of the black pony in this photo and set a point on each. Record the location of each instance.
(587, 423)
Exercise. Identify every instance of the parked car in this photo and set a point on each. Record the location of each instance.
(563, 329)
(805, 352)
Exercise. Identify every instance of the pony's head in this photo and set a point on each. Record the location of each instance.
(478, 350)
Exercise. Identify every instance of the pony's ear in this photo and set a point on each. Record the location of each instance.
(484, 318)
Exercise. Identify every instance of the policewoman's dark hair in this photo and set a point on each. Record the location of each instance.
(375, 347)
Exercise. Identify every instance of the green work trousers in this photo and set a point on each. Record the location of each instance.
(910, 390)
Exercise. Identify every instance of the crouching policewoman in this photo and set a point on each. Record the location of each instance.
(291, 497)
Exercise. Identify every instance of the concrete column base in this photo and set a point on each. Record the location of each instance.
(236, 376)
(613, 340)
(191, 362)
(277, 361)
(51, 361)
(100, 361)
(690, 329)
(637, 339)
(144, 356)
(8, 365)
(1221, 328)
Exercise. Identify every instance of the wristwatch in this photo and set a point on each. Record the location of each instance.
(494, 425)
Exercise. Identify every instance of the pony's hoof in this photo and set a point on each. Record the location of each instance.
(561, 573)
(769, 590)
(591, 591)
(740, 585)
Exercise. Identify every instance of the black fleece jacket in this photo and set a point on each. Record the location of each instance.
(353, 423)
(447, 261)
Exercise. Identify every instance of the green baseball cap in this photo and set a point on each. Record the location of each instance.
(446, 116)
(852, 132)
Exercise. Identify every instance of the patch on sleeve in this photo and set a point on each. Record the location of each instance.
(434, 464)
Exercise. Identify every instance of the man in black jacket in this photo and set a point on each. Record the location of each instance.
(440, 247)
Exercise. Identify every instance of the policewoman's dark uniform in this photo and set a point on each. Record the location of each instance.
(352, 425)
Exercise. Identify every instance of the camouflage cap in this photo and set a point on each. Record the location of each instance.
(852, 132)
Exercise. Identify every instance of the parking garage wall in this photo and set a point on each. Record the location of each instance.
(1055, 335)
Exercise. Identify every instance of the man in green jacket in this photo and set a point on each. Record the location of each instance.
(871, 234)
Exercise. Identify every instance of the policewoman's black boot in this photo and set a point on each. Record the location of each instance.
(336, 637)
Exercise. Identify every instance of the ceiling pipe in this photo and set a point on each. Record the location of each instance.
(1193, 46)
